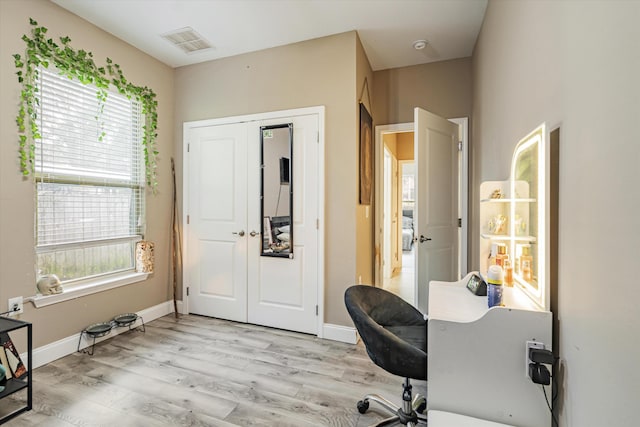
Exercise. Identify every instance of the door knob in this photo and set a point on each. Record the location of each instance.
(240, 233)
(253, 233)
(424, 239)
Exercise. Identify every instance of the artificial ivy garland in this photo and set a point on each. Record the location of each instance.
(78, 65)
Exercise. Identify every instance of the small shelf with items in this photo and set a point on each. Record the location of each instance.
(513, 219)
(19, 376)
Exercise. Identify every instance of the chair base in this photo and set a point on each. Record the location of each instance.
(409, 414)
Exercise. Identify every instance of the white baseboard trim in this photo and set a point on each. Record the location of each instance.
(69, 345)
(339, 333)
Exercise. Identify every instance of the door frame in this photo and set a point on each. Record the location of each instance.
(187, 126)
(380, 131)
(386, 209)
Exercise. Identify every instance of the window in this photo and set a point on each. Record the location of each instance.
(408, 186)
(89, 180)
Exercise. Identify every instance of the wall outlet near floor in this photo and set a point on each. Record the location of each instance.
(530, 345)
(16, 306)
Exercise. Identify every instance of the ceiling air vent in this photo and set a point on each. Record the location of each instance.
(188, 40)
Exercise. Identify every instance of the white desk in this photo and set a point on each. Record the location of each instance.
(476, 355)
(447, 419)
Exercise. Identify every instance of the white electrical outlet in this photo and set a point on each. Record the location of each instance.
(529, 345)
(16, 306)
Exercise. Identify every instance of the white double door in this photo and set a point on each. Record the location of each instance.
(225, 274)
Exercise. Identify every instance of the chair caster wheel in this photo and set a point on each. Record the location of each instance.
(363, 405)
(420, 409)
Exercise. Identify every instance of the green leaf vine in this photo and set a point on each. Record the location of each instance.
(78, 65)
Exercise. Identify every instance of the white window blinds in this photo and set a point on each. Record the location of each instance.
(89, 179)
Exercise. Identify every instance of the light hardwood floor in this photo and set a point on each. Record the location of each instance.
(199, 371)
(402, 282)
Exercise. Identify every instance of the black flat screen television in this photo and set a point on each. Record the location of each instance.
(284, 170)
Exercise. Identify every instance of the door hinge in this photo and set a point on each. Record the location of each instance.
(316, 310)
(459, 145)
(459, 222)
(188, 147)
(317, 224)
(317, 137)
(187, 291)
(187, 219)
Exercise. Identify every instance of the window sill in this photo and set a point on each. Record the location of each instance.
(93, 287)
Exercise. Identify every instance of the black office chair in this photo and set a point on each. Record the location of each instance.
(395, 336)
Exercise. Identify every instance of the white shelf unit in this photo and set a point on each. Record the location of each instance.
(525, 209)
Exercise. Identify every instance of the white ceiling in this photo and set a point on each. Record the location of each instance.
(387, 28)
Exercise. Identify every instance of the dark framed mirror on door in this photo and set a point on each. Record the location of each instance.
(276, 190)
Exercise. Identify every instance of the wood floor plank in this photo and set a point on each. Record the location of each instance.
(200, 371)
(195, 369)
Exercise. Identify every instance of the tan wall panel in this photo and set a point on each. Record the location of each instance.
(365, 215)
(574, 65)
(17, 256)
(443, 88)
(405, 146)
(315, 72)
(390, 141)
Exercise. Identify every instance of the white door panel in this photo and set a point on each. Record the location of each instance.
(436, 154)
(283, 292)
(216, 271)
(216, 164)
(288, 293)
(215, 280)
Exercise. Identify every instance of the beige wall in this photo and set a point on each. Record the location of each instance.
(443, 88)
(315, 72)
(364, 214)
(575, 65)
(405, 146)
(17, 257)
(390, 141)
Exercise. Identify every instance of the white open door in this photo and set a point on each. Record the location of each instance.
(217, 264)
(436, 225)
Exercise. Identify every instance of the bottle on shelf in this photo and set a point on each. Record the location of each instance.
(502, 254)
(526, 263)
(494, 286)
(492, 254)
(508, 273)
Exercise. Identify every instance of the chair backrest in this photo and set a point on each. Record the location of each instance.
(388, 326)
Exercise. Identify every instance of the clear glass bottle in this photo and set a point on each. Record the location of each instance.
(526, 263)
(502, 255)
(492, 254)
(508, 273)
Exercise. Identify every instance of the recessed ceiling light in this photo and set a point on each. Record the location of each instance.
(187, 39)
(420, 44)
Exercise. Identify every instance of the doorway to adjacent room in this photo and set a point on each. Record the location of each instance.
(397, 237)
